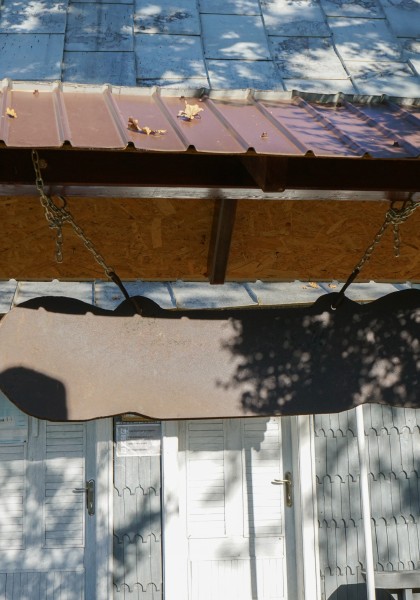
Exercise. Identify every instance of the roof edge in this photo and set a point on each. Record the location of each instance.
(225, 94)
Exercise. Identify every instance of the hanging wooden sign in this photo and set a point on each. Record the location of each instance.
(62, 359)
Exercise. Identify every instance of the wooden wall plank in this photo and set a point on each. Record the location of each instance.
(168, 239)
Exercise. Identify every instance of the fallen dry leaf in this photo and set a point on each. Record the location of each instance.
(313, 284)
(264, 134)
(332, 285)
(149, 131)
(133, 125)
(190, 112)
(10, 112)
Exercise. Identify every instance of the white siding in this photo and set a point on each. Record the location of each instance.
(41, 516)
(206, 479)
(64, 473)
(137, 567)
(261, 457)
(12, 486)
(33, 585)
(234, 513)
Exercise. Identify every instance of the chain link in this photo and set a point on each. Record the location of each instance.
(56, 216)
(394, 217)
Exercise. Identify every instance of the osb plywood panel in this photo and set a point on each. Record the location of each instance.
(150, 239)
(320, 241)
(162, 239)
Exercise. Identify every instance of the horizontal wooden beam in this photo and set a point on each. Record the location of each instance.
(192, 169)
(196, 193)
(79, 167)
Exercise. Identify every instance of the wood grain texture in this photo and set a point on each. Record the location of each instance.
(168, 239)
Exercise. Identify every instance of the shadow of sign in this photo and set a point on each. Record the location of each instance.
(170, 364)
(357, 591)
(35, 387)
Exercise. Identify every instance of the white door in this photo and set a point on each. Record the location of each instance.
(236, 518)
(44, 545)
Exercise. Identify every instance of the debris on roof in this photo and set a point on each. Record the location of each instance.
(267, 123)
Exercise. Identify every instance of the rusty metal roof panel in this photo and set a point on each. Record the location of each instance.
(149, 113)
(371, 137)
(90, 121)
(401, 122)
(38, 124)
(206, 132)
(226, 122)
(310, 131)
(255, 126)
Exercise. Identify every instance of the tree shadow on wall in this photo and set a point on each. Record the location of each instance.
(319, 360)
(392, 439)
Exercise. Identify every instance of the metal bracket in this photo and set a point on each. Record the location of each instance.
(288, 483)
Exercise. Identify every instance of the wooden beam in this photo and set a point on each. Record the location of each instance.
(83, 167)
(222, 231)
(192, 169)
(196, 193)
(269, 173)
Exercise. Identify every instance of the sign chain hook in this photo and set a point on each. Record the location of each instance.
(57, 215)
(395, 217)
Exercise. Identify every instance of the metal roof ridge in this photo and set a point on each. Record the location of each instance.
(228, 125)
(397, 140)
(115, 114)
(279, 126)
(343, 137)
(403, 112)
(62, 122)
(3, 107)
(162, 107)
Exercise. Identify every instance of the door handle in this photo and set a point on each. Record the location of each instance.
(288, 483)
(89, 490)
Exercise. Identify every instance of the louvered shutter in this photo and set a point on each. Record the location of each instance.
(12, 486)
(206, 479)
(64, 473)
(234, 513)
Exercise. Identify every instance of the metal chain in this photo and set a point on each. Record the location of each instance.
(58, 215)
(394, 217)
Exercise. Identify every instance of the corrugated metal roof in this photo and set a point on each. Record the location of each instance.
(269, 123)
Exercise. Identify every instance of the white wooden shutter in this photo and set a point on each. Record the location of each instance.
(263, 501)
(234, 513)
(258, 461)
(42, 518)
(12, 486)
(206, 478)
(64, 473)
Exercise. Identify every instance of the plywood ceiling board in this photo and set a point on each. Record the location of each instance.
(169, 239)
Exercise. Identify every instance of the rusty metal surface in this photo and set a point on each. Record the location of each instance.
(271, 123)
(64, 359)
